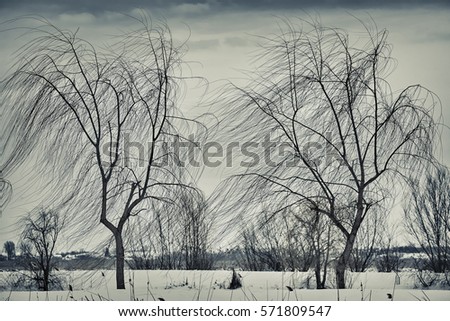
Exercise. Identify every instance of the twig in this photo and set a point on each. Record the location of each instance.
(245, 294)
(199, 288)
(210, 287)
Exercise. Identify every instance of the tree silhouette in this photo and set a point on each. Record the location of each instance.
(335, 137)
(427, 218)
(103, 120)
(41, 230)
(10, 249)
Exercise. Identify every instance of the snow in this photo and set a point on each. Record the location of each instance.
(181, 285)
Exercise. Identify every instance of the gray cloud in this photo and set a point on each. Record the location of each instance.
(236, 42)
(204, 44)
(202, 7)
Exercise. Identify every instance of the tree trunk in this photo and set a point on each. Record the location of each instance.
(120, 261)
(46, 279)
(343, 260)
(319, 283)
(340, 272)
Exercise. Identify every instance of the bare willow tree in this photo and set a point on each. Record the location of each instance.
(265, 245)
(427, 218)
(388, 256)
(41, 230)
(196, 228)
(10, 249)
(335, 137)
(290, 241)
(102, 120)
(176, 237)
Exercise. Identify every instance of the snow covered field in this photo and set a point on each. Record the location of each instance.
(212, 286)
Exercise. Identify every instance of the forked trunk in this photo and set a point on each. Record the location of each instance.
(320, 283)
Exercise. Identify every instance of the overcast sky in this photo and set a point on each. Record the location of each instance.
(222, 40)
